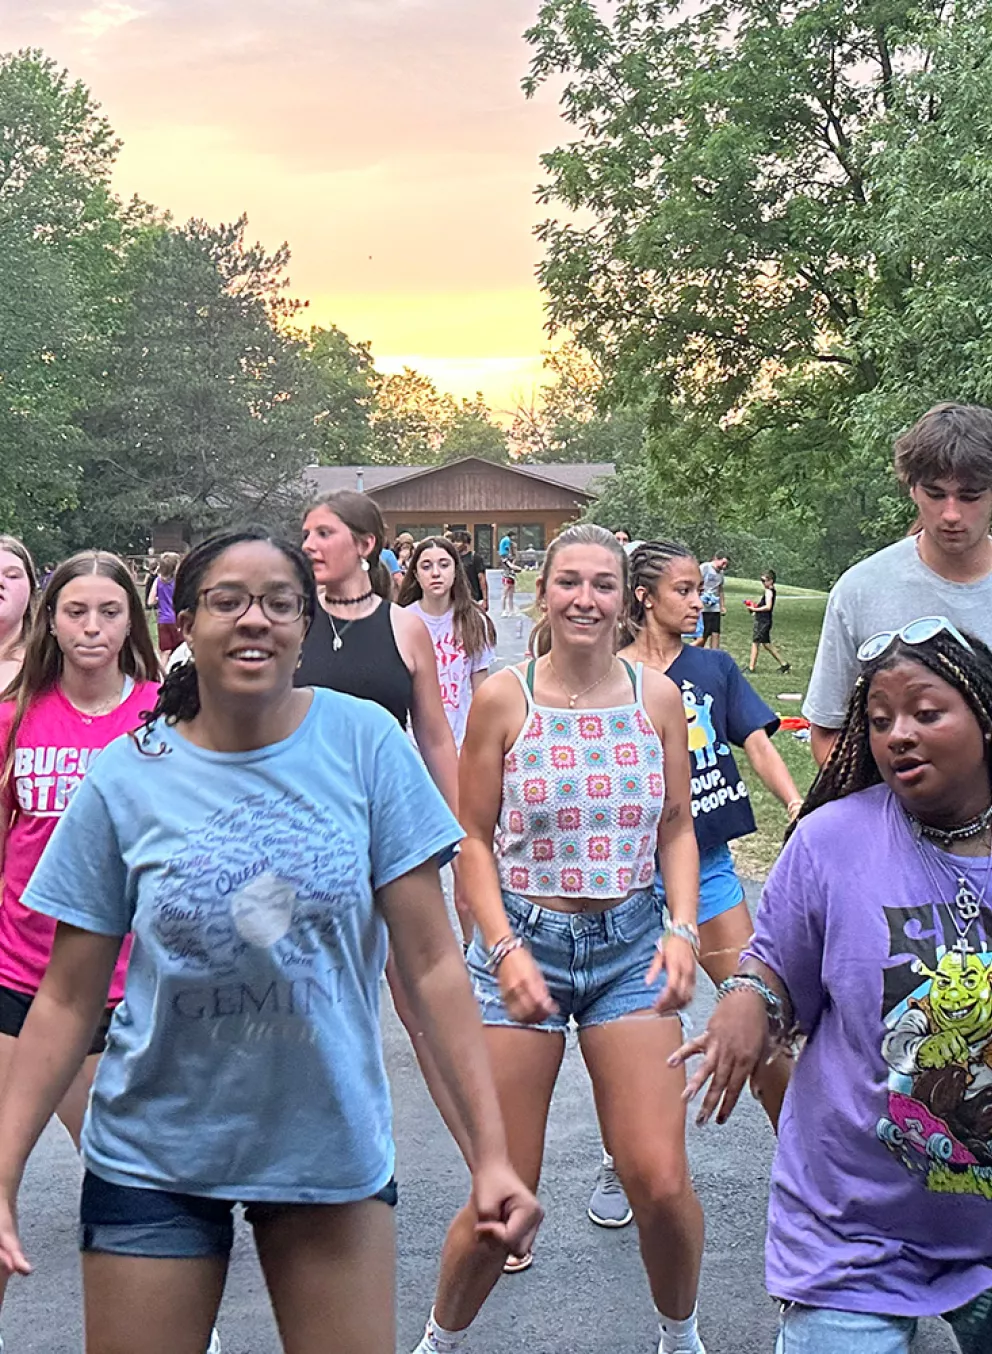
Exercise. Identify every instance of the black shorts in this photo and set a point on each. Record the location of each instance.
(14, 1007)
(762, 632)
(711, 623)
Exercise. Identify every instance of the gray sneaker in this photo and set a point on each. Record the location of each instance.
(608, 1206)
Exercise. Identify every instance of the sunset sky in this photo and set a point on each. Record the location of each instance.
(386, 140)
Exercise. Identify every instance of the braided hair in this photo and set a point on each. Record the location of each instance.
(179, 695)
(851, 766)
(648, 565)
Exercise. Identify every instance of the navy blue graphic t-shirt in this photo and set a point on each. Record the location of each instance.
(723, 710)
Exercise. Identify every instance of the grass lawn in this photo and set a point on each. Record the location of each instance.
(796, 631)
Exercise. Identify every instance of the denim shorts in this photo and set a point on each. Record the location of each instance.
(719, 888)
(159, 1225)
(594, 963)
(821, 1330)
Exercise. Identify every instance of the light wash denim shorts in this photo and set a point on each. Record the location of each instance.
(822, 1330)
(594, 963)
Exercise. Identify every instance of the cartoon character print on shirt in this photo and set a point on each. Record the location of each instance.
(248, 911)
(710, 787)
(938, 1042)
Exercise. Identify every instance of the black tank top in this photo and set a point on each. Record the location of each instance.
(368, 663)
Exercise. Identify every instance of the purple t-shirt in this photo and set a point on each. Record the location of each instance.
(164, 605)
(881, 1196)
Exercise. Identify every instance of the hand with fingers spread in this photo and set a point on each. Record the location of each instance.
(675, 958)
(12, 1258)
(509, 1214)
(732, 1046)
(525, 992)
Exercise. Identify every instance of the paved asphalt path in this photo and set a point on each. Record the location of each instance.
(586, 1293)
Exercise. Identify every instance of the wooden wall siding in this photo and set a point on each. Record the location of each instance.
(452, 493)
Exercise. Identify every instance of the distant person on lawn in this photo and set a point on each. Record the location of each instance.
(943, 569)
(714, 606)
(761, 635)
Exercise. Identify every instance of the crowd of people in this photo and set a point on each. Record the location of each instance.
(216, 847)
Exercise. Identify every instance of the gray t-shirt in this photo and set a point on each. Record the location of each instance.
(884, 592)
(712, 586)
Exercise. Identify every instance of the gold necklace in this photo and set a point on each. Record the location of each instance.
(578, 694)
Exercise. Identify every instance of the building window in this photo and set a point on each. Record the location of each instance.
(419, 532)
(531, 536)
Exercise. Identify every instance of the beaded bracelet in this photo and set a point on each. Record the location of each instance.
(500, 950)
(778, 1031)
(682, 930)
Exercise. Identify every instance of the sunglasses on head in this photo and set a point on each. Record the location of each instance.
(916, 632)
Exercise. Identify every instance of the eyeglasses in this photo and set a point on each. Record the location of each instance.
(916, 632)
(230, 604)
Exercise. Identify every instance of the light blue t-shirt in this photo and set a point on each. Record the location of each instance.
(505, 548)
(388, 558)
(245, 1061)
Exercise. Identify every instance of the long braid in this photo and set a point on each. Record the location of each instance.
(851, 766)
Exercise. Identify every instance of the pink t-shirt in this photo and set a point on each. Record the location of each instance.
(56, 744)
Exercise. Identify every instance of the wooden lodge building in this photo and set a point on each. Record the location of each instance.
(482, 497)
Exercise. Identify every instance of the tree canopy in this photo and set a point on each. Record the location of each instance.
(771, 231)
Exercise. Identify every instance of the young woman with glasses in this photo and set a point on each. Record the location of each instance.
(257, 839)
(874, 941)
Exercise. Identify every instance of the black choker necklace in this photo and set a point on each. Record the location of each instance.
(349, 601)
(949, 835)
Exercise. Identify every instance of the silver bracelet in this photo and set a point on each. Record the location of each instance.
(681, 930)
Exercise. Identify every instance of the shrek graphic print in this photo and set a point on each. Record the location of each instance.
(938, 1041)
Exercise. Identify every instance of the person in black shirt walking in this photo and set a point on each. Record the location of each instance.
(761, 637)
(475, 568)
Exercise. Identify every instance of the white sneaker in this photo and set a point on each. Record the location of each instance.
(695, 1346)
(212, 1348)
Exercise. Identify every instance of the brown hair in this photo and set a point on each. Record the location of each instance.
(473, 628)
(950, 441)
(363, 519)
(42, 656)
(18, 548)
(583, 533)
(648, 566)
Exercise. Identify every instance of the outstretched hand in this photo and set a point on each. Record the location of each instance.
(732, 1048)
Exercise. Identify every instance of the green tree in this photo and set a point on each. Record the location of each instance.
(347, 383)
(61, 234)
(570, 420)
(410, 418)
(472, 431)
(210, 402)
(775, 232)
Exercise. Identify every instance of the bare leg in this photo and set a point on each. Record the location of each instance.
(639, 1101)
(428, 1067)
(776, 655)
(143, 1306)
(720, 943)
(525, 1067)
(753, 662)
(331, 1275)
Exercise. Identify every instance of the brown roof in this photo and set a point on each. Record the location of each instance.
(328, 479)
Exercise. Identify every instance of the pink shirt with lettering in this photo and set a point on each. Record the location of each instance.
(56, 744)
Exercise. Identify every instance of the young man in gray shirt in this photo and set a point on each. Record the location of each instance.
(714, 573)
(945, 569)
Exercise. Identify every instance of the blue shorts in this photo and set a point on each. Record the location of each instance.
(719, 887)
(159, 1225)
(594, 963)
(816, 1330)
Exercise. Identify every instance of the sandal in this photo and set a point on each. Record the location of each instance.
(516, 1264)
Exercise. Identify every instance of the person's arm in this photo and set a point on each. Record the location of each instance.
(436, 983)
(152, 601)
(430, 725)
(478, 677)
(483, 583)
(48, 1054)
(786, 953)
(765, 604)
(821, 742)
(498, 707)
(772, 770)
(720, 594)
(678, 853)
(835, 670)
